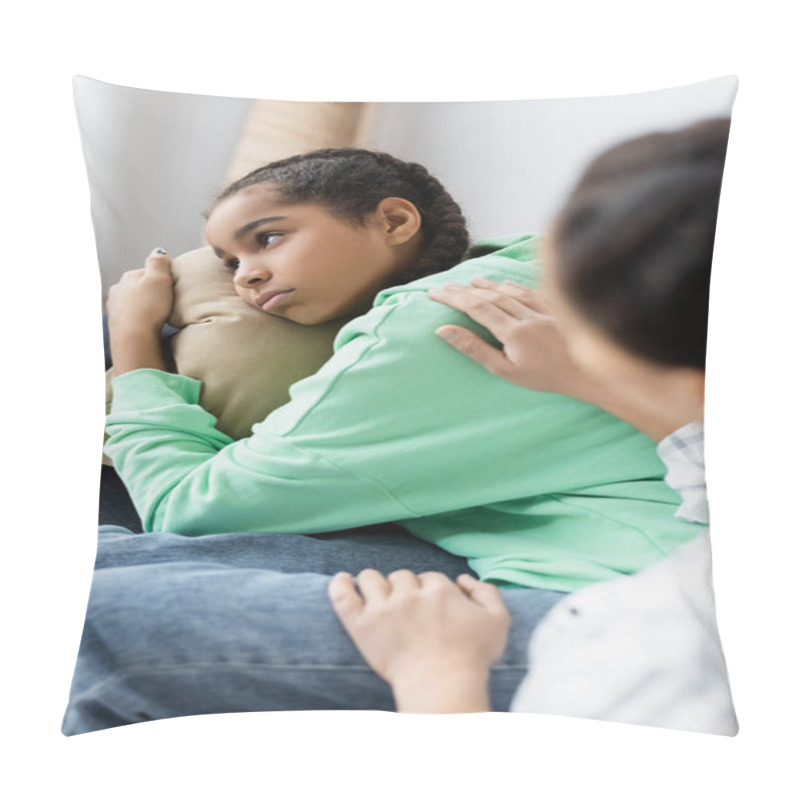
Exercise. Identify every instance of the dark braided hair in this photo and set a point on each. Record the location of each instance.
(350, 182)
(635, 239)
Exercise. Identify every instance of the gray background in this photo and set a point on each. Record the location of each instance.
(155, 160)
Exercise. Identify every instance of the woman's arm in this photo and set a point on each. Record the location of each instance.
(431, 639)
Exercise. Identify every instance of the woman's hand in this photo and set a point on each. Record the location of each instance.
(431, 639)
(534, 355)
(142, 300)
(138, 306)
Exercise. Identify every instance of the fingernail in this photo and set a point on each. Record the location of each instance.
(447, 334)
(159, 251)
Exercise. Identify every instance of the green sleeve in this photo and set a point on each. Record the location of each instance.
(185, 476)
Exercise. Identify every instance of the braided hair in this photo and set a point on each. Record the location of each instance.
(350, 182)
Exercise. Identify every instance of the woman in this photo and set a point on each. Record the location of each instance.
(624, 325)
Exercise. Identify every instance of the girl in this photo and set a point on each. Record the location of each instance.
(623, 325)
(394, 427)
(534, 490)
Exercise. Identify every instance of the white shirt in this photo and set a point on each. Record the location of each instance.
(642, 649)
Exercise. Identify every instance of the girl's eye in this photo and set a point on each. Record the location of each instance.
(265, 239)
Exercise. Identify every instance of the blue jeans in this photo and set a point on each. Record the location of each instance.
(241, 622)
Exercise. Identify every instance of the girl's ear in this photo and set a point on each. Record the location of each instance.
(399, 219)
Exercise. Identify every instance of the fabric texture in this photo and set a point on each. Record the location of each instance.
(178, 626)
(643, 649)
(684, 454)
(535, 489)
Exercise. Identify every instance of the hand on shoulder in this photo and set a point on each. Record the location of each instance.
(534, 353)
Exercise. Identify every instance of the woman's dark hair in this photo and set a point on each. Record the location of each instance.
(634, 241)
(350, 182)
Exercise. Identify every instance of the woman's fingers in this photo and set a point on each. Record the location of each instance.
(464, 298)
(433, 580)
(344, 596)
(472, 346)
(403, 581)
(372, 585)
(495, 310)
(530, 298)
(484, 594)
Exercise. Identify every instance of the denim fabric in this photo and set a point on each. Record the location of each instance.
(241, 622)
(383, 547)
(115, 502)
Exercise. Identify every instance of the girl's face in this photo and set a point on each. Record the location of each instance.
(302, 263)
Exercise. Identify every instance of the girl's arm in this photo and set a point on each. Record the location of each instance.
(395, 426)
(138, 307)
(431, 639)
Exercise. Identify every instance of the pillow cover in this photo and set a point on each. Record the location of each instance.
(461, 442)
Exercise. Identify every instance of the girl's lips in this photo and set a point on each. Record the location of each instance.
(268, 301)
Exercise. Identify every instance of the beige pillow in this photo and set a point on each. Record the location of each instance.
(246, 360)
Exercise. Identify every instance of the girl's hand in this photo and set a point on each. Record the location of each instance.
(138, 307)
(142, 300)
(433, 640)
(534, 354)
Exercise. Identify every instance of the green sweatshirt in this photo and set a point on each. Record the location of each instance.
(535, 489)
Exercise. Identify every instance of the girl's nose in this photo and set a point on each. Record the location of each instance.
(251, 273)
